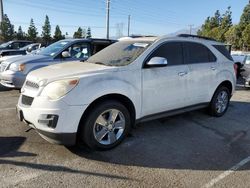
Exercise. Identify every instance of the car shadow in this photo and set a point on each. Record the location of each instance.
(193, 140)
(9, 149)
(10, 145)
(2, 88)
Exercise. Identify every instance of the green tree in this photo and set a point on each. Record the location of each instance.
(32, 31)
(245, 17)
(244, 21)
(211, 23)
(88, 34)
(7, 29)
(20, 34)
(246, 37)
(225, 25)
(78, 33)
(216, 20)
(46, 31)
(232, 38)
(58, 34)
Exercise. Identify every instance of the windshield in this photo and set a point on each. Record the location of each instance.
(4, 45)
(120, 53)
(54, 48)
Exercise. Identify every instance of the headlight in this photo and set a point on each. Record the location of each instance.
(58, 89)
(16, 68)
(13, 67)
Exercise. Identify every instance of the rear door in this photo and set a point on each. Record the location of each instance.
(165, 88)
(203, 69)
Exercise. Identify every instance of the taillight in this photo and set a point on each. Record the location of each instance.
(236, 69)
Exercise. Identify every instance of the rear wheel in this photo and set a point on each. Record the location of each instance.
(220, 102)
(105, 126)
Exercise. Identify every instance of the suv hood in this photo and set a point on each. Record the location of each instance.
(66, 70)
(27, 59)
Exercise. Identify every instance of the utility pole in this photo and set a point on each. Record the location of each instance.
(129, 17)
(1, 11)
(107, 17)
(1, 14)
(191, 28)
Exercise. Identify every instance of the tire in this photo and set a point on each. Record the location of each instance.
(101, 132)
(218, 106)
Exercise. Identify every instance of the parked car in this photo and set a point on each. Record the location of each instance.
(245, 72)
(13, 71)
(14, 44)
(240, 58)
(21, 51)
(135, 80)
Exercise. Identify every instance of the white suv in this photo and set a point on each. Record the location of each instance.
(98, 101)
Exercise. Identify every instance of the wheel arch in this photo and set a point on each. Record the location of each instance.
(226, 83)
(114, 96)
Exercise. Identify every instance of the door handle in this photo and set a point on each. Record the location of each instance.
(182, 73)
(213, 68)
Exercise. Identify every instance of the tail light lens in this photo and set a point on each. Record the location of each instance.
(236, 69)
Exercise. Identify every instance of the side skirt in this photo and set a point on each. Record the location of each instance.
(172, 112)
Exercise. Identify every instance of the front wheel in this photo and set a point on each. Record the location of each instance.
(220, 102)
(105, 126)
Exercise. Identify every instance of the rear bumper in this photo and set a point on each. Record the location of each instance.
(12, 79)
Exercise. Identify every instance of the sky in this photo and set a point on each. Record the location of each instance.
(151, 17)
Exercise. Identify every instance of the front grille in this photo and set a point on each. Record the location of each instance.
(31, 85)
(27, 100)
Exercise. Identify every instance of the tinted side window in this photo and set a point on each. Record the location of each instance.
(15, 45)
(79, 50)
(198, 53)
(22, 44)
(172, 51)
(99, 46)
(223, 50)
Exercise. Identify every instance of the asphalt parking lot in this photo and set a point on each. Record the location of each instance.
(188, 150)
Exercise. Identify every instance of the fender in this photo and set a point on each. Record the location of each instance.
(98, 85)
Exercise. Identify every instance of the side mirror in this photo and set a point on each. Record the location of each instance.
(10, 46)
(65, 54)
(29, 49)
(157, 62)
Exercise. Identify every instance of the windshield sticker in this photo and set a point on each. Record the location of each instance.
(142, 45)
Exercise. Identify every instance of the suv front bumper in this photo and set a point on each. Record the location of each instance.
(38, 116)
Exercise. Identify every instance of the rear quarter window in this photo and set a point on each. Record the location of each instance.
(198, 53)
(224, 51)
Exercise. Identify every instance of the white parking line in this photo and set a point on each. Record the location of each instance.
(6, 109)
(227, 173)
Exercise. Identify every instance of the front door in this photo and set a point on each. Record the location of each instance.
(165, 88)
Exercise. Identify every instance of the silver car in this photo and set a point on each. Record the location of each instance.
(13, 71)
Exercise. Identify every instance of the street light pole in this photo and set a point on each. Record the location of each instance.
(129, 17)
(1, 14)
(107, 18)
(191, 28)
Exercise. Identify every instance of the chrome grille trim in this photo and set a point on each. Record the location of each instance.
(30, 84)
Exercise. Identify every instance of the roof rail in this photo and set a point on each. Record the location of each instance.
(195, 36)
